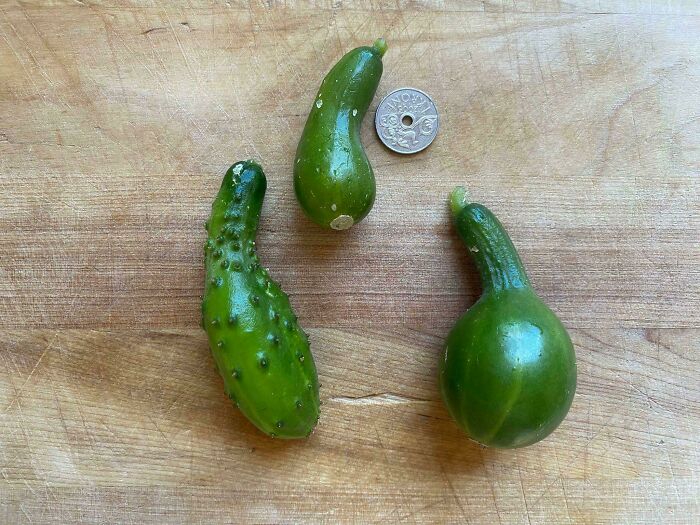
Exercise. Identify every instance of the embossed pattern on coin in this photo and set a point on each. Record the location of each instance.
(407, 120)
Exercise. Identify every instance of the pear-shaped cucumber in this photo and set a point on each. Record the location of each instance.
(508, 372)
(333, 178)
(261, 352)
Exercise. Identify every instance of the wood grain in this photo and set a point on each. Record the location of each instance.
(576, 122)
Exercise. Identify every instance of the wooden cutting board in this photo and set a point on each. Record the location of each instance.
(577, 122)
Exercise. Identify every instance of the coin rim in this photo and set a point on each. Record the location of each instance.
(376, 120)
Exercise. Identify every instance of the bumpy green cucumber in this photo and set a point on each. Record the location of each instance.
(261, 352)
(333, 178)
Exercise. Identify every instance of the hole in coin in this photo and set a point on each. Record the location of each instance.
(407, 120)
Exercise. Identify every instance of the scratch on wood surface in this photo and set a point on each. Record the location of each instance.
(34, 59)
(154, 30)
(396, 508)
(190, 473)
(455, 496)
(29, 518)
(179, 44)
(566, 499)
(674, 479)
(651, 402)
(29, 487)
(59, 409)
(386, 398)
(17, 57)
(28, 48)
(21, 422)
(21, 389)
(197, 78)
(180, 107)
(522, 490)
(109, 32)
(614, 115)
(167, 441)
(495, 499)
(589, 440)
(79, 405)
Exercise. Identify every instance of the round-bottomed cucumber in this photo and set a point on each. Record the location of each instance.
(508, 372)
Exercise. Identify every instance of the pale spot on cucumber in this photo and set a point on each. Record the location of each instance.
(319, 103)
(342, 222)
(334, 207)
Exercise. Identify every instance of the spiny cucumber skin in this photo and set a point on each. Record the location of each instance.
(259, 348)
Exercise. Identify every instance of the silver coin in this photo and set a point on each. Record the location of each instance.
(407, 120)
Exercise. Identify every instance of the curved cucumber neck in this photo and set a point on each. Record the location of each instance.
(489, 245)
(240, 198)
(347, 91)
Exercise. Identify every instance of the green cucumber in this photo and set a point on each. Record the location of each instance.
(333, 179)
(260, 351)
(508, 373)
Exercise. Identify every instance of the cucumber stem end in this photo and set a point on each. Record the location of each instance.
(459, 199)
(380, 46)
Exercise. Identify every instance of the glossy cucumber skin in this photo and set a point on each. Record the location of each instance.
(508, 373)
(259, 348)
(333, 179)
